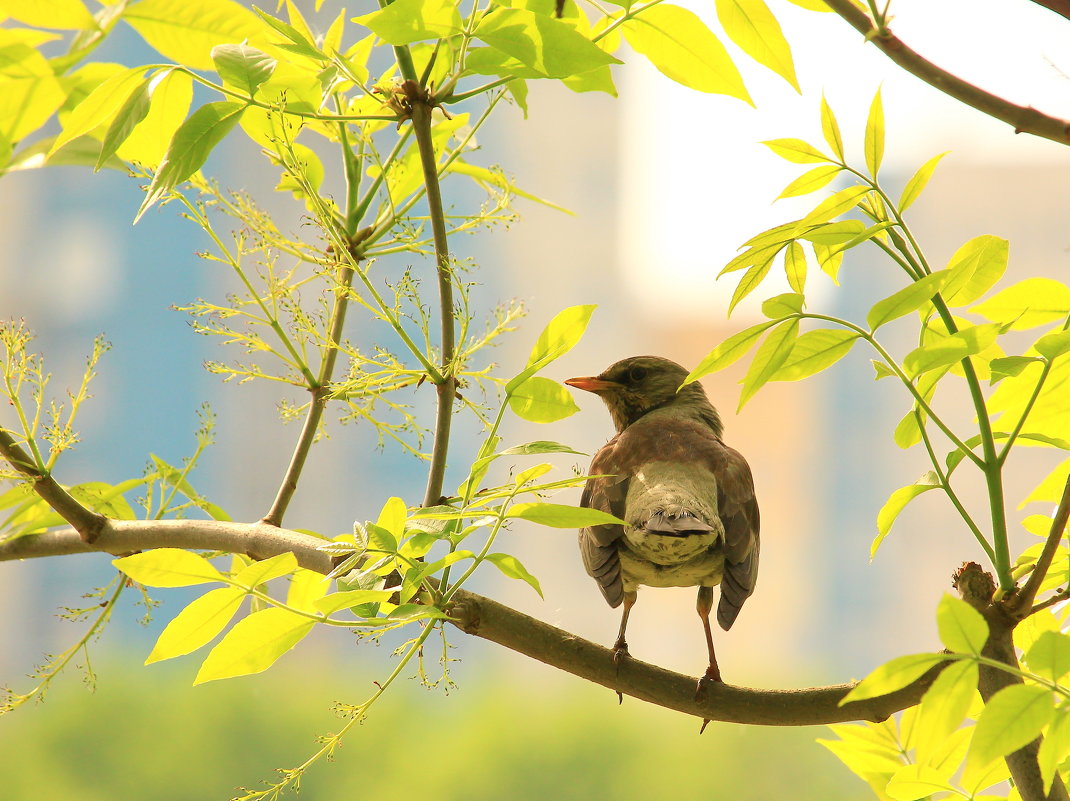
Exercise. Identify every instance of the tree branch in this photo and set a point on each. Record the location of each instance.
(86, 522)
(1060, 7)
(1022, 602)
(493, 621)
(1023, 118)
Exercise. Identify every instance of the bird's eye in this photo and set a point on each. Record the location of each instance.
(637, 374)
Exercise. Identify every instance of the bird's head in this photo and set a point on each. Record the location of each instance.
(634, 386)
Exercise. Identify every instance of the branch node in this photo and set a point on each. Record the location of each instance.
(464, 614)
(975, 585)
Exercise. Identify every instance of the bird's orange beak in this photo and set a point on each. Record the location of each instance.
(592, 383)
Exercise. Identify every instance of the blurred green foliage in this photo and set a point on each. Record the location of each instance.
(147, 734)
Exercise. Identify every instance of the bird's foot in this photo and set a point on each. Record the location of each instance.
(713, 674)
(620, 653)
(705, 723)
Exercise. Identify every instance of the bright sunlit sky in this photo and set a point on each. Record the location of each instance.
(696, 183)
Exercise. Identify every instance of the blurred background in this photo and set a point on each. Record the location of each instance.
(664, 185)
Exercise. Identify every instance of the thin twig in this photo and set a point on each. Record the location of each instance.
(1023, 118)
(1023, 601)
(320, 393)
(447, 387)
(85, 521)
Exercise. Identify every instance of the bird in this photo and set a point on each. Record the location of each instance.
(688, 499)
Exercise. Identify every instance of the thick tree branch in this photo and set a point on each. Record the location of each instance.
(490, 620)
(1021, 604)
(1060, 7)
(1023, 118)
(85, 521)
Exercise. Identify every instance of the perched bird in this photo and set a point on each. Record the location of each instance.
(687, 497)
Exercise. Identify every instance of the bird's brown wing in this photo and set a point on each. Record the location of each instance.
(738, 510)
(606, 491)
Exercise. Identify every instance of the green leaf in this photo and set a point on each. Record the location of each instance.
(1055, 747)
(1049, 656)
(831, 129)
(406, 21)
(962, 628)
(950, 349)
(549, 46)
(781, 306)
(917, 182)
(797, 151)
(392, 518)
(336, 601)
(51, 14)
(197, 624)
(1053, 345)
(189, 148)
(558, 338)
(539, 447)
(541, 400)
(265, 570)
(795, 266)
(243, 67)
(830, 237)
(874, 141)
(810, 181)
(130, 114)
(772, 353)
(297, 42)
(496, 178)
(532, 473)
(892, 676)
(254, 644)
(751, 280)
(752, 26)
(1012, 718)
(1027, 304)
(897, 501)
(975, 268)
(815, 351)
(944, 706)
(912, 782)
(511, 566)
(561, 516)
(833, 206)
(907, 299)
(186, 30)
(729, 351)
(168, 567)
(1009, 366)
(170, 101)
(100, 106)
(680, 45)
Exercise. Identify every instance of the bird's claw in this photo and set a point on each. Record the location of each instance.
(713, 674)
(620, 653)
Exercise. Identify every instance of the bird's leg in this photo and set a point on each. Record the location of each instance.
(620, 647)
(713, 672)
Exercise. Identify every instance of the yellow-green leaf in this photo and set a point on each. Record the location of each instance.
(561, 516)
(511, 566)
(168, 567)
(337, 601)
(54, 14)
(1055, 747)
(549, 46)
(267, 569)
(405, 21)
(912, 782)
(197, 624)
(771, 354)
(831, 129)
(810, 181)
(828, 240)
(795, 266)
(497, 178)
(892, 676)
(950, 349)
(785, 305)
(796, 151)
(1013, 717)
(815, 351)
(833, 206)
(187, 30)
(541, 400)
(558, 338)
(944, 706)
(918, 181)
(874, 141)
(1049, 656)
(1027, 304)
(392, 517)
(242, 66)
(975, 268)
(962, 628)
(680, 45)
(751, 279)
(897, 502)
(100, 107)
(254, 644)
(172, 93)
(729, 351)
(906, 300)
(752, 26)
(127, 118)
